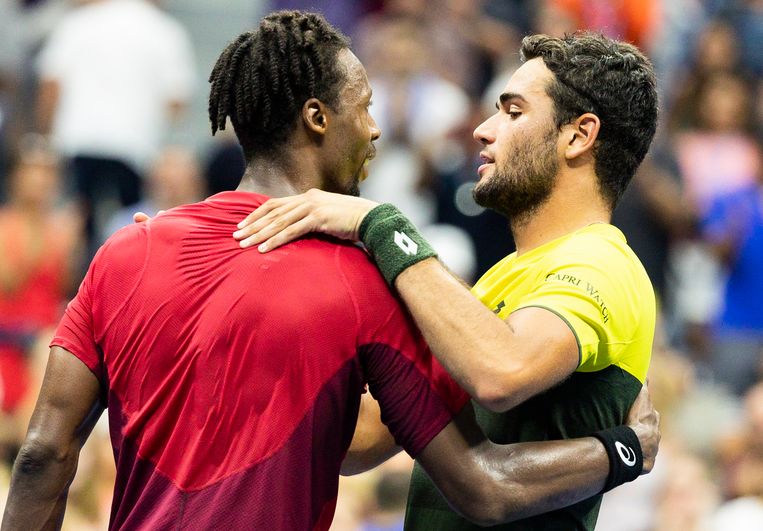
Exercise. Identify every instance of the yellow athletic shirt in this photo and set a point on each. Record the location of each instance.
(593, 281)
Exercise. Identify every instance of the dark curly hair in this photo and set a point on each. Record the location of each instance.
(262, 79)
(612, 80)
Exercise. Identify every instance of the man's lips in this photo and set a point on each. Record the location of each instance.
(487, 160)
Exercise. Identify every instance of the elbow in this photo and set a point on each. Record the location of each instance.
(498, 394)
(492, 507)
(37, 455)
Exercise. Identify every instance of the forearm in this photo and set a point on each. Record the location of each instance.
(490, 484)
(39, 487)
(544, 476)
(471, 342)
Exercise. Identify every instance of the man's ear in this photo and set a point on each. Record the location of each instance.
(583, 133)
(314, 116)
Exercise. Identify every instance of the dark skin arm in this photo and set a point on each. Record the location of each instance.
(489, 483)
(67, 409)
(372, 443)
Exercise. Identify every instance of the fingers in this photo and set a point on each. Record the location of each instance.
(289, 234)
(641, 406)
(262, 210)
(263, 216)
(142, 217)
(278, 227)
(275, 217)
(282, 220)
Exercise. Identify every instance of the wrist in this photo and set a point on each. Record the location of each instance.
(626, 460)
(393, 241)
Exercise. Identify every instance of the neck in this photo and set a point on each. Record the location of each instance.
(281, 176)
(573, 204)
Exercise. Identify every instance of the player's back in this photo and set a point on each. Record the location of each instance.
(225, 368)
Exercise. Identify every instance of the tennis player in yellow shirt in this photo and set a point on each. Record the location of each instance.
(554, 341)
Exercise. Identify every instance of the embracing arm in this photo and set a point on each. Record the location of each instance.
(490, 484)
(66, 411)
(500, 364)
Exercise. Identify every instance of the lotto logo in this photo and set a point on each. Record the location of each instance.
(406, 244)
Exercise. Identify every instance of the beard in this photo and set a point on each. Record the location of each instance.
(354, 189)
(521, 184)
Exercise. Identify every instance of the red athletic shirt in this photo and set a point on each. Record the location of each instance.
(233, 378)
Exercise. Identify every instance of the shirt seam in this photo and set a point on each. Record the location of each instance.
(569, 325)
(136, 284)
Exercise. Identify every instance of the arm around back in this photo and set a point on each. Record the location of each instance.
(490, 484)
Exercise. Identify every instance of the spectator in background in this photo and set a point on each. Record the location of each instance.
(716, 52)
(716, 155)
(174, 179)
(37, 243)
(741, 459)
(688, 497)
(747, 19)
(113, 75)
(344, 14)
(733, 228)
(224, 165)
(463, 38)
(417, 109)
(653, 213)
(630, 20)
(453, 182)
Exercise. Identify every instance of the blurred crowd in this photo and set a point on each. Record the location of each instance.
(91, 91)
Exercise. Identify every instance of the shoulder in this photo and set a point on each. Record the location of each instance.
(349, 260)
(123, 248)
(357, 272)
(601, 258)
(599, 246)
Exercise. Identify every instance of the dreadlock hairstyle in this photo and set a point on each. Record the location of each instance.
(262, 79)
(612, 80)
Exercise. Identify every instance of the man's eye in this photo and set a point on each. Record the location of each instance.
(514, 114)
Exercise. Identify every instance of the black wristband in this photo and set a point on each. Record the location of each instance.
(393, 241)
(625, 458)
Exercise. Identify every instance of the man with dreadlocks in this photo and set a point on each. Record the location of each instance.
(233, 379)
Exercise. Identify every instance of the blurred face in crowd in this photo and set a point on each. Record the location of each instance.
(519, 155)
(351, 132)
(35, 179)
(724, 104)
(176, 178)
(718, 48)
(754, 406)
